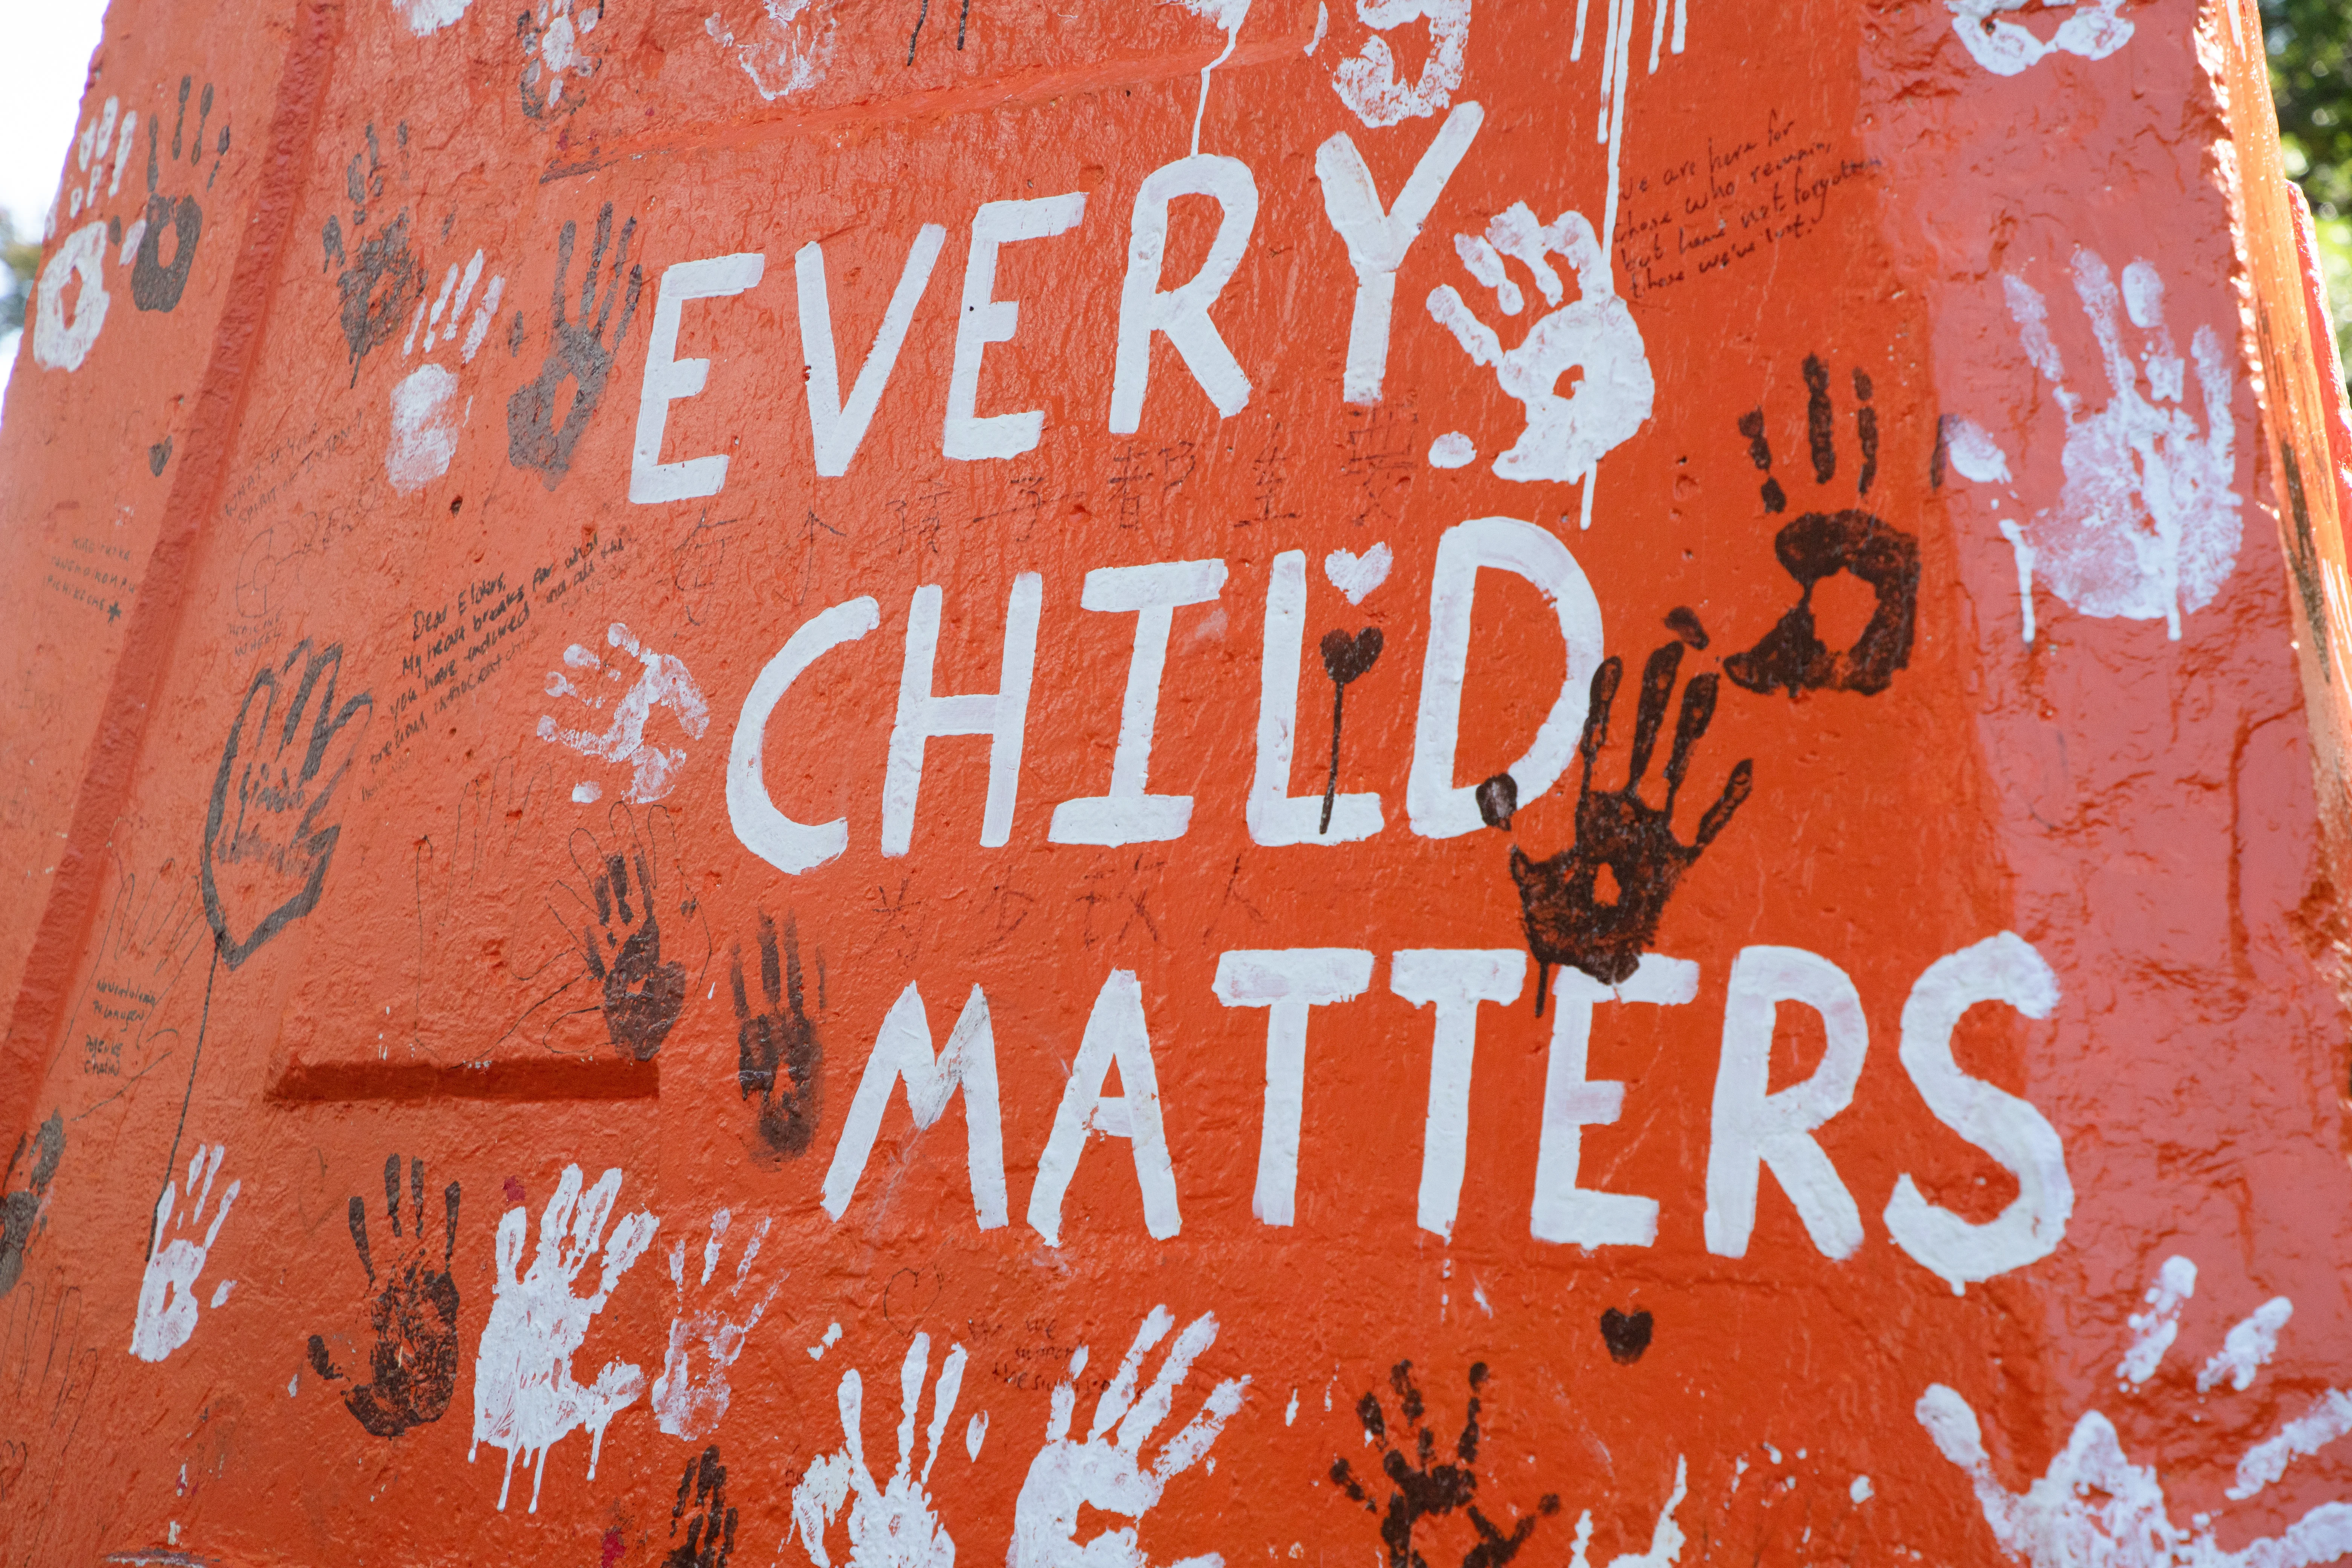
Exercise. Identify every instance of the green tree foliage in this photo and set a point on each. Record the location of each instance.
(19, 259)
(2310, 44)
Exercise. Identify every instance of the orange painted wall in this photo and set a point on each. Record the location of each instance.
(506, 1064)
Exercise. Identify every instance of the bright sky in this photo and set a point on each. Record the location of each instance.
(41, 70)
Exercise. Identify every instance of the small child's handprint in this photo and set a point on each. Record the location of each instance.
(1423, 1486)
(892, 1525)
(577, 351)
(270, 833)
(658, 680)
(2094, 1505)
(414, 1366)
(525, 1399)
(688, 1403)
(1594, 335)
(1104, 1471)
(710, 1533)
(1596, 905)
(2146, 525)
(777, 1054)
(615, 920)
(167, 1293)
(1820, 544)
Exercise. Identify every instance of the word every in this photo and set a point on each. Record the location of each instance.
(1753, 1127)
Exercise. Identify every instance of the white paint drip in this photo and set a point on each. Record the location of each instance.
(1356, 575)
(663, 682)
(2025, 553)
(1322, 26)
(525, 1399)
(1367, 82)
(1291, 1415)
(2093, 1505)
(892, 1525)
(167, 1290)
(687, 1403)
(1228, 14)
(1105, 1471)
(2247, 1348)
(2006, 48)
(975, 1433)
(1564, 438)
(2154, 1330)
(787, 49)
(2146, 525)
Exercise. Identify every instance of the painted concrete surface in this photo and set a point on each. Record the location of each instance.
(1456, 783)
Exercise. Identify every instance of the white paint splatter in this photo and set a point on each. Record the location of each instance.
(786, 51)
(1104, 1471)
(1291, 1415)
(2154, 1330)
(1367, 82)
(425, 17)
(688, 1406)
(1860, 1491)
(2146, 525)
(2093, 1505)
(1453, 450)
(664, 682)
(832, 1338)
(1322, 26)
(2006, 48)
(525, 1400)
(167, 1290)
(1974, 453)
(1564, 437)
(1356, 575)
(1666, 1537)
(891, 1526)
(2247, 1348)
(975, 1433)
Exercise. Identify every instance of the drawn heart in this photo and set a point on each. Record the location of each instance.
(1345, 657)
(909, 1298)
(1357, 576)
(1627, 1335)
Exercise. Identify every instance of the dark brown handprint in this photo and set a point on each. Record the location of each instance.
(378, 287)
(615, 919)
(414, 1366)
(270, 832)
(20, 1208)
(776, 1051)
(1596, 904)
(709, 1538)
(1422, 1485)
(1344, 659)
(157, 284)
(1818, 545)
(577, 351)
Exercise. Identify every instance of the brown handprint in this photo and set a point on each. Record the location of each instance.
(1572, 917)
(616, 924)
(270, 835)
(776, 1051)
(1422, 1485)
(577, 351)
(414, 1316)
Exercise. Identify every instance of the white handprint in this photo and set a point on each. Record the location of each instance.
(1103, 1471)
(167, 1293)
(1595, 334)
(425, 413)
(2146, 525)
(2005, 49)
(2095, 1505)
(687, 1408)
(891, 1526)
(524, 1396)
(663, 682)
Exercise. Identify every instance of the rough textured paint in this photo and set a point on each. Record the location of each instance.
(1398, 779)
